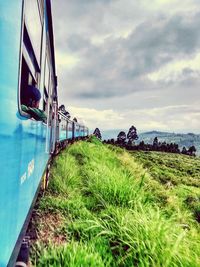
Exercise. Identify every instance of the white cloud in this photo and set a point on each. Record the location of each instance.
(171, 6)
(65, 60)
(167, 118)
(93, 118)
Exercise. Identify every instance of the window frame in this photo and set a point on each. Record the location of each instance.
(38, 59)
(27, 54)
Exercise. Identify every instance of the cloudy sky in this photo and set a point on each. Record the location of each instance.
(124, 62)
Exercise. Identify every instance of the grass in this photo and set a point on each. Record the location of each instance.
(178, 175)
(107, 207)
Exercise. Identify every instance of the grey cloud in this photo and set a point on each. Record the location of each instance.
(176, 35)
(156, 44)
(190, 73)
(95, 17)
(119, 65)
(113, 73)
(76, 43)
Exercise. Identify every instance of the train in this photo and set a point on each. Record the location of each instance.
(27, 58)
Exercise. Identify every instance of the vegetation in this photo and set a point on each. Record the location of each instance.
(121, 138)
(107, 207)
(127, 141)
(132, 135)
(182, 140)
(97, 133)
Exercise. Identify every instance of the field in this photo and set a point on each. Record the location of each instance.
(107, 207)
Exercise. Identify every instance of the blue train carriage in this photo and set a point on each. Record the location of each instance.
(68, 131)
(84, 131)
(26, 58)
(80, 131)
(65, 133)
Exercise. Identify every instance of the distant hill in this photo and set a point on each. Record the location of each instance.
(182, 140)
(187, 140)
(108, 134)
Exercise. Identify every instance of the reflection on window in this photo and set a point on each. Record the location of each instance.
(34, 26)
(45, 101)
(41, 8)
(46, 79)
(26, 79)
(63, 124)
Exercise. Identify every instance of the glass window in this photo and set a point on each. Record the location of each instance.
(50, 115)
(70, 126)
(34, 26)
(26, 79)
(41, 8)
(46, 79)
(45, 101)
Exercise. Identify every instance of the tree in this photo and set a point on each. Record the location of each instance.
(164, 147)
(155, 143)
(121, 138)
(141, 145)
(191, 151)
(112, 141)
(97, 133)
(132, 134)
(184, 151)
(176, 148)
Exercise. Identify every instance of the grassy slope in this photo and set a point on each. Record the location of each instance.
(103, 208)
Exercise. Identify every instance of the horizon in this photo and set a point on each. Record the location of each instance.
(109, 134)
(147, 131)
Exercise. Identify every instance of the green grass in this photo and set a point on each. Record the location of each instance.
(178, 175)
(112, 208)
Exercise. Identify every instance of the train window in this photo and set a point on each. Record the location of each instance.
(34, 26)
(30, 75)
(41, 9)
(26, 79)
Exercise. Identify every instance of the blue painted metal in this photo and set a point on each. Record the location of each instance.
(22, 141)
(65, 128)
(62, 135)
(70, 135)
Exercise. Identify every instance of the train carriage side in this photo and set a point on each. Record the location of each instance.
(68, 130)
(62, 134)
(26, 58)
(65, 131)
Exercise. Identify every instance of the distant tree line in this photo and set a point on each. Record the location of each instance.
(128, 141)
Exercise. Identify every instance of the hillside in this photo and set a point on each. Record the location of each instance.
(106, 207)
(182, 140)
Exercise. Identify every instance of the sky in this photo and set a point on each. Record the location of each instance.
(129, 62)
